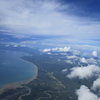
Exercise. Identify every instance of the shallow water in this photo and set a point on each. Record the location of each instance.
(13, 68)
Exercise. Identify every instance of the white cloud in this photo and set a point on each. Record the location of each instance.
(71, 57)
(64, 70)
(7, 45)
(76, 52)
(22, 16)
(85, 94)
(88, 61)
(83, 60)
(91, 61)
(63, 53)
(69, 62)
(44, 17)
(94, 53)
(46, 50)
(86, 54)
(86, 47)
(15, 45)
(84, 72)
(55, 49)
(5, 30)
(29, 44)
(64, 49)
(96, 84)
(49, 53)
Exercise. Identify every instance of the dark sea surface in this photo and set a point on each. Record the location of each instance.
(13, 68)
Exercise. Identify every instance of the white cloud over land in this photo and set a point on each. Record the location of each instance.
(88, 61)
(63, 49)
(71, 57)
(96, 84)
(84, 93)
(94, 53)
(83, 60)
(64, 70)
(69, 62)
(84, 72)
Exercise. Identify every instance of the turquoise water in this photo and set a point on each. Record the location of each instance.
(13, 68)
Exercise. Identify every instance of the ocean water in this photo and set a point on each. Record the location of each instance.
(13, 68)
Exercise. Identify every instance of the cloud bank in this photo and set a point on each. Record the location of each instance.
(24, 18)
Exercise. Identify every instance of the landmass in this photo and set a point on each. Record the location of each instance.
(50, 84)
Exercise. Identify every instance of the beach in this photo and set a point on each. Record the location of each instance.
(19, 84)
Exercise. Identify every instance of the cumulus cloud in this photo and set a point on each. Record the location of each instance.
(96, 84)
(94, 53)
(76, 52)
(84, 72)
(83, 60)
(91, 61)
(63, 49)
(69, 62)
(54, 49)
(63, 54)
(71, 57)
(88, 61)
(46, 50)
(64, 70)
(84, 93)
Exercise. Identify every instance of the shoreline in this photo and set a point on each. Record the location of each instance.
(18, 84)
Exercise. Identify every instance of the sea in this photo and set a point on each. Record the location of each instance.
(13, 68)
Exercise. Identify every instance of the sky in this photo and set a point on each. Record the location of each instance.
(50, 23)
(58, 26)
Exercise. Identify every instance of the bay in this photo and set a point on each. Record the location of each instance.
(13, 68)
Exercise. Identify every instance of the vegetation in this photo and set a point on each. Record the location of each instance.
(51, 82)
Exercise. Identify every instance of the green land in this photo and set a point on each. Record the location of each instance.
(51, 83)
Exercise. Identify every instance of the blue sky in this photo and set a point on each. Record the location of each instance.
(56, 23)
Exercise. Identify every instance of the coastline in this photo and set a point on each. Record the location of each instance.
(18, 84)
